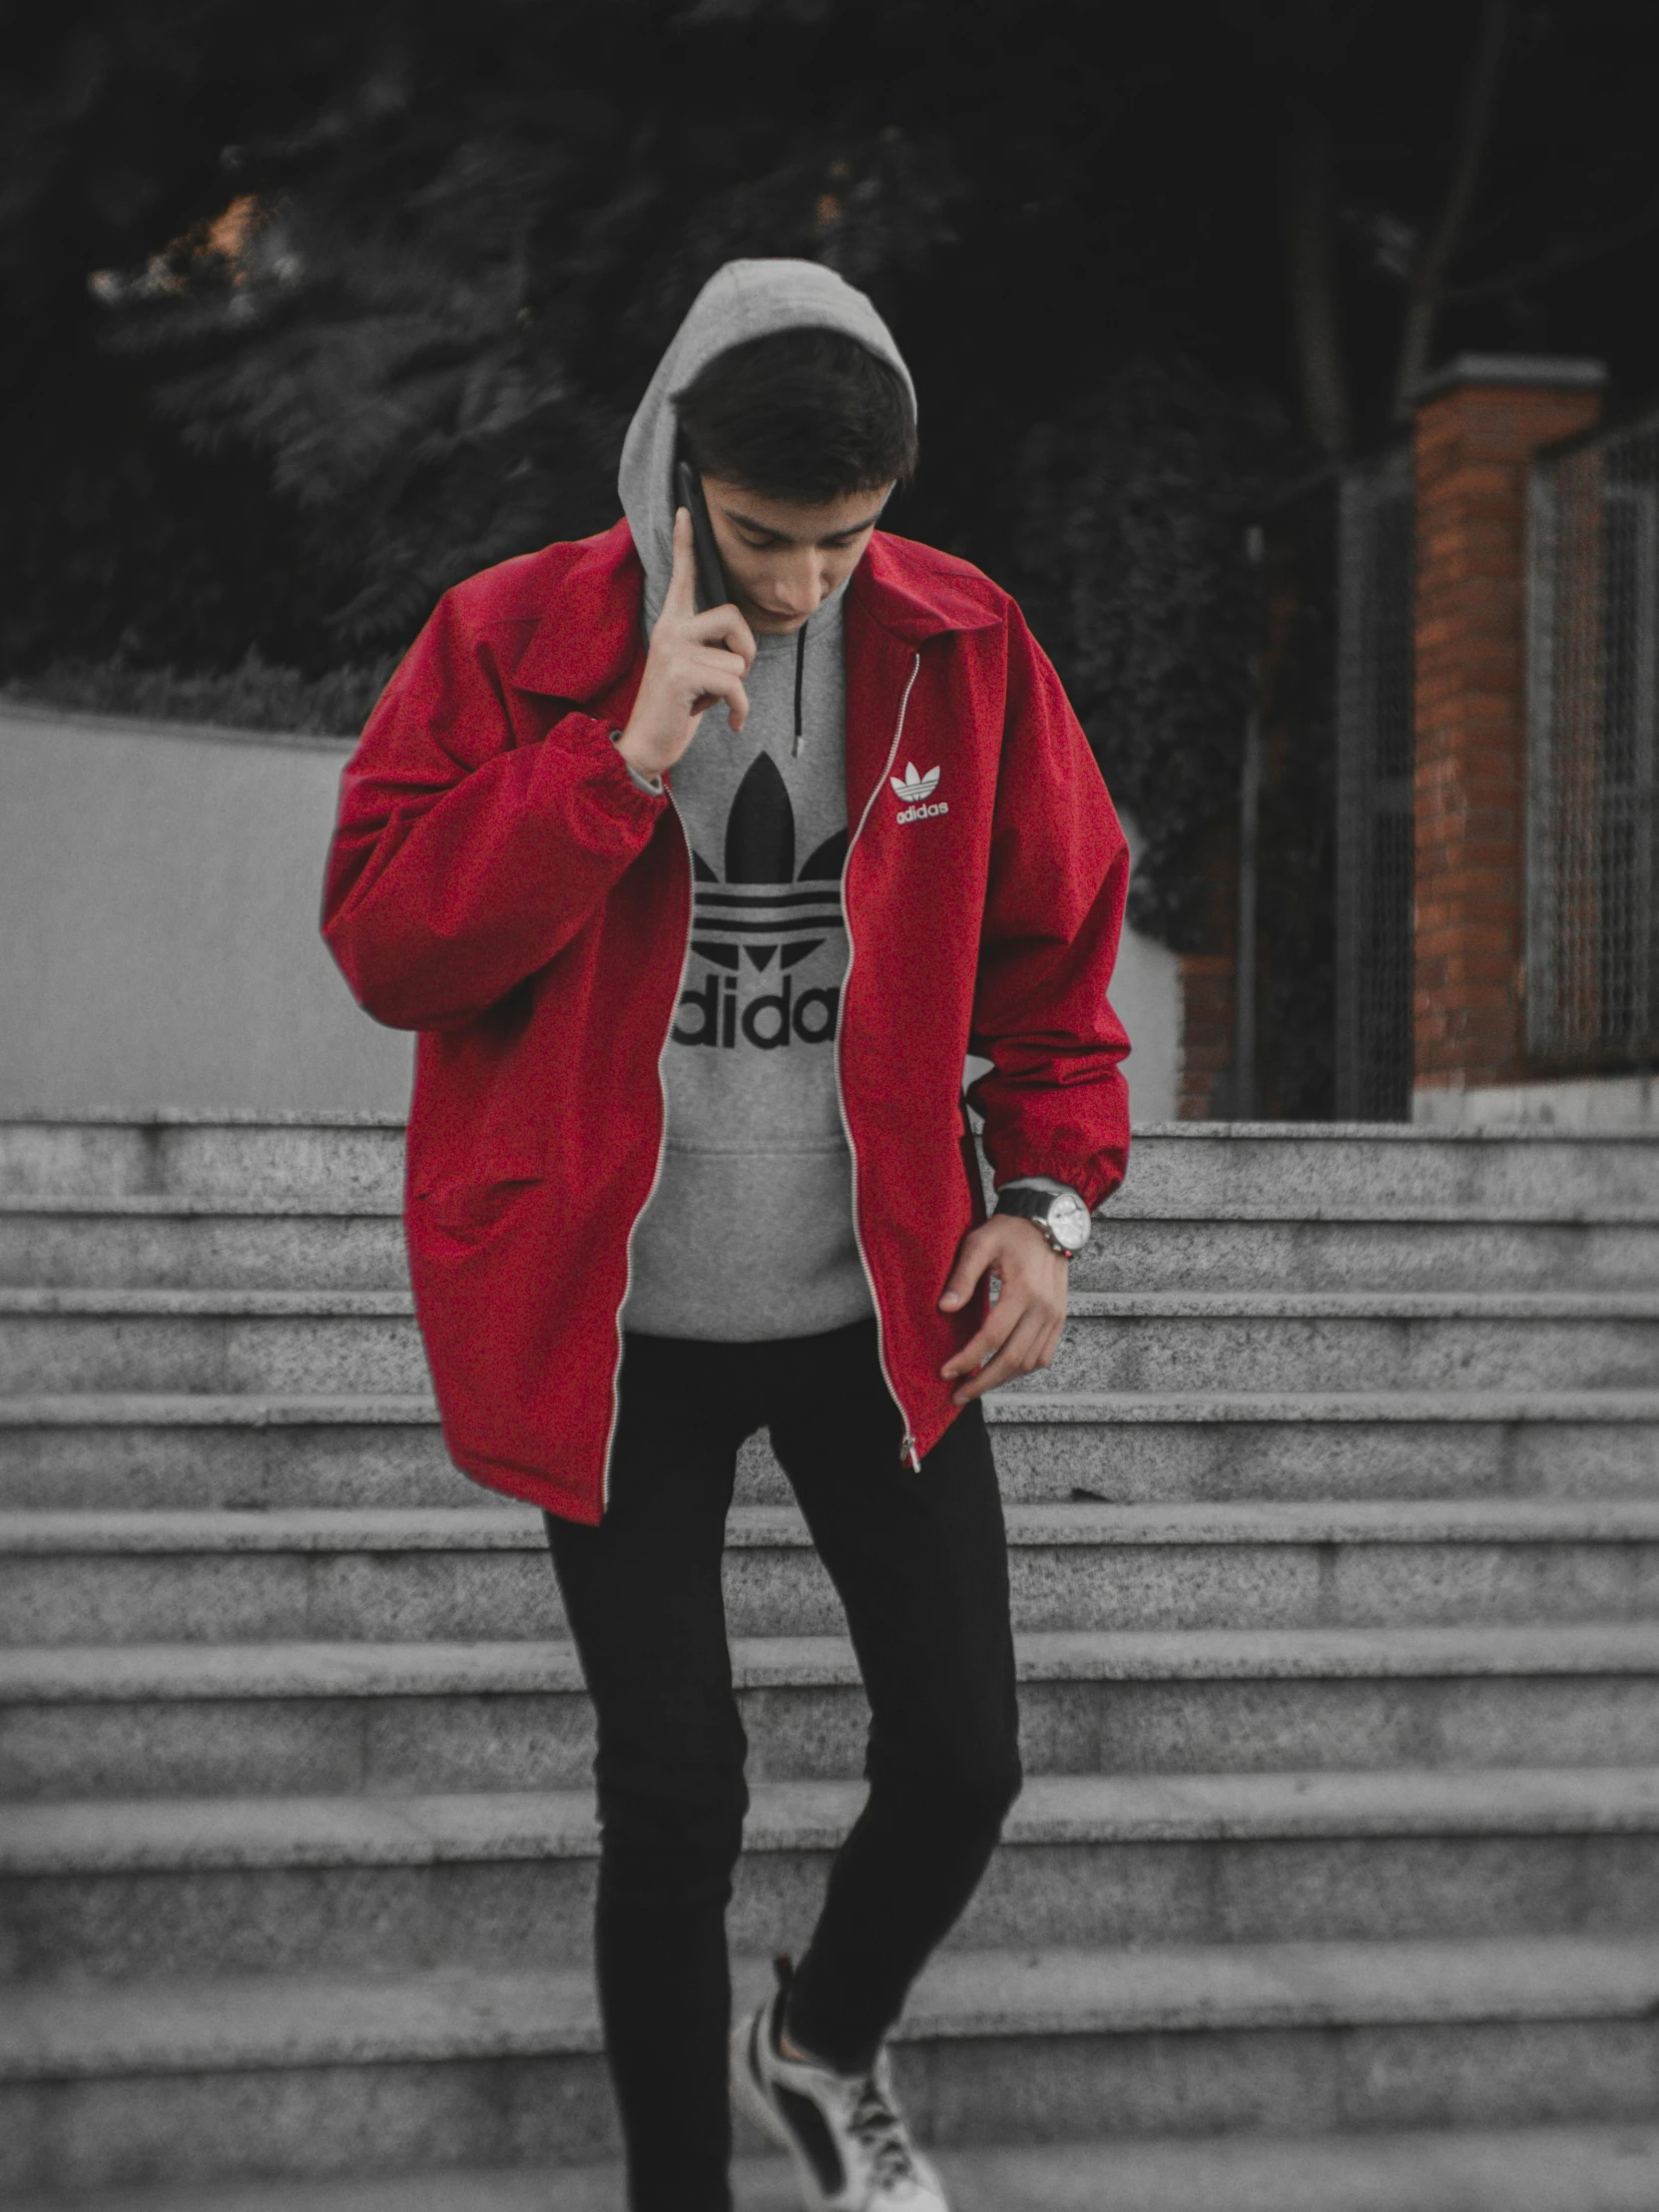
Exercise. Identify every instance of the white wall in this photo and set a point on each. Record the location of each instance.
(160, 891)
(1146, 994)
(1585, 1105)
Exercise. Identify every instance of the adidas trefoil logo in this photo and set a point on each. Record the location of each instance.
(916, 790)
(912, 786)
(763, 909)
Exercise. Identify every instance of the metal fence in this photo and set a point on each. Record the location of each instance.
(1592, 937)
(1373, 790)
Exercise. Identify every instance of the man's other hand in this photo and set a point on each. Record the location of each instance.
(1022, 1331)
(695, 661)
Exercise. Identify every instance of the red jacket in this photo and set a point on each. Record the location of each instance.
(499, 882)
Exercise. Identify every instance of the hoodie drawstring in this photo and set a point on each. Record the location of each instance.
(799, 675)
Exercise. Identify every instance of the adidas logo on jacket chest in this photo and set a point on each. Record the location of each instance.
(916, 790)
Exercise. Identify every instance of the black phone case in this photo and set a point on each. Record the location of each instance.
(710, 576)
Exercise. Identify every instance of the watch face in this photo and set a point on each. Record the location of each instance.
(1068, 1219)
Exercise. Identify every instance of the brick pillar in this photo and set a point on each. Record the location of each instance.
(1479, 421)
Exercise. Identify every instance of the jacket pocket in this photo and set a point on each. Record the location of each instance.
(467, 1215)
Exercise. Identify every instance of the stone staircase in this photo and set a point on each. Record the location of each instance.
(1335, 1886)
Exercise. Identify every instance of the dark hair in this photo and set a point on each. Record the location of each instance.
(806, 414)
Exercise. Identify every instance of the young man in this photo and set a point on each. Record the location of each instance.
(699, 913)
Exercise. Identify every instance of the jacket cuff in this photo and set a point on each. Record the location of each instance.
(611, 788)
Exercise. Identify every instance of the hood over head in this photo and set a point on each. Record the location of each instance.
(742, 301)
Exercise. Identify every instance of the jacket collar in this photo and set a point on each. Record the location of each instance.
(592, 640)
(589, 638)
(900, 586)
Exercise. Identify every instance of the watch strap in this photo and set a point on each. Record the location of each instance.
(1032, 1203)
(1026, 1199)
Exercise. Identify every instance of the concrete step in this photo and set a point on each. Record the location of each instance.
(1355, 1339)
(177, 1151)
(1134, 1446)
(1521, 2170)
(97, 1451)
(220, 1341)
(1216, 1167)
(61, 1339)
(451, 1572)
(1207, 1168)
(276, 1243)
(1362, 1247)
(231, 1243)
(135, 1889)
(158, 1720)
(193, 2082)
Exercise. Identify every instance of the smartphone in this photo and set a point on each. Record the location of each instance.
(712, 587)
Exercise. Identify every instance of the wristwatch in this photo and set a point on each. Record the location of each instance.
(1060, 1215)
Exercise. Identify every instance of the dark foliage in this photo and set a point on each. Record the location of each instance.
(1138, 505)
(251, 696)
(1297, 892)
(433, 306)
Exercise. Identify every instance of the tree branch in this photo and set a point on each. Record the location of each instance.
(1426, 284)
(1559, 261)
(1305, 195)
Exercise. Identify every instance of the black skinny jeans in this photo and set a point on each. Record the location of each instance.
(919, 1560)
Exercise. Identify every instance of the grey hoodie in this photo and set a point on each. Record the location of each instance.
(749, 1231)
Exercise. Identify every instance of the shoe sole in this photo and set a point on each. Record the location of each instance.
(748, 2094)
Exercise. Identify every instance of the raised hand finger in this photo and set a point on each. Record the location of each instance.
(682, 584)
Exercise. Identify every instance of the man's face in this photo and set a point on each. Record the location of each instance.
(783, 559)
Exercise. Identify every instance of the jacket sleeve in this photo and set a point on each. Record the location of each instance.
(460, 861)
(1054, 1102)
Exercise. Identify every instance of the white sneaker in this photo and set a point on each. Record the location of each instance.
(852, 2150)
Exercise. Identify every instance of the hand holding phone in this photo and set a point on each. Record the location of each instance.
(696, 660)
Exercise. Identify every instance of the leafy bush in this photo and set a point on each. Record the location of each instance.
(251, 696)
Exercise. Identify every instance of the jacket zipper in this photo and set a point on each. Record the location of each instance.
(907, 1444)
(661, 1155)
